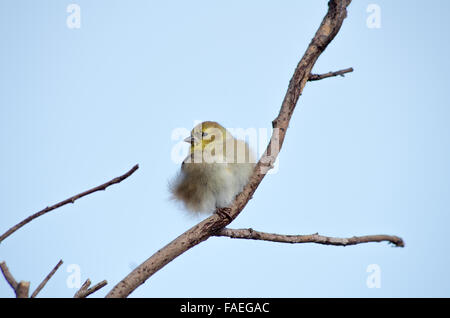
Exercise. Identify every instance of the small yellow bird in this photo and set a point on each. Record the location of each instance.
(216, 169)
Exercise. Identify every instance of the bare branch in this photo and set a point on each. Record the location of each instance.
(85, 291)
(20, 289)
(96, 287)
(69, 200)
(46, 279)
(316, 77)
(312, 238)
(330, 26)
(8, 276)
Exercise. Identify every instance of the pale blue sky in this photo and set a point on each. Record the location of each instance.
(365, 154)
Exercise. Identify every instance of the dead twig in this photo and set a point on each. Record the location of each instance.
(46, 279)
(312, 238)
(85, 291)
(317, 77)
(8, 276)
(66, 201)
(21, 289)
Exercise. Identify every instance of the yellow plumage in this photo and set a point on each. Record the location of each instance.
(216, 169)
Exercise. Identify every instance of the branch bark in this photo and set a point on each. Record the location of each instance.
(46, 279)
(312, 238)
(317, 77)
(66, 201)
(8, 276)
(85, 291)
(21, 289)
(331, 23)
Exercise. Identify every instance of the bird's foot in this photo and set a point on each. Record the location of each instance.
(224, 213)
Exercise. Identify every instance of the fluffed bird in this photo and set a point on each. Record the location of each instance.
(216, 169)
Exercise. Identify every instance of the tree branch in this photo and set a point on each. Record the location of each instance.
(312, 238)
(317, 77)
(8, 276)
(85, 291)
(20, 289)
(69, 200)
(330, 26)
(46, 279)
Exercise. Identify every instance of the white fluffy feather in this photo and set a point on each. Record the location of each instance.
(202, 187)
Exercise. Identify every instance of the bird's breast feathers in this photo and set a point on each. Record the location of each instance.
(213, 175)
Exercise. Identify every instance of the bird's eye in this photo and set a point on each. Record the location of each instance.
(204, 134)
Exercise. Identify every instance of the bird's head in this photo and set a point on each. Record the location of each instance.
(205, 134)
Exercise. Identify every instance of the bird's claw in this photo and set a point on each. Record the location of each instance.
(224, 213)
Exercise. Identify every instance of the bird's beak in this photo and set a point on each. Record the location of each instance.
(189, 139)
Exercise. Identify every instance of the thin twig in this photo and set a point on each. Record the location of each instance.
(96, 287)
(316, 77)
(20, 289)
(8, 276)
(46, 279)
(85, 291)
(312, 238)
(69, 200)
